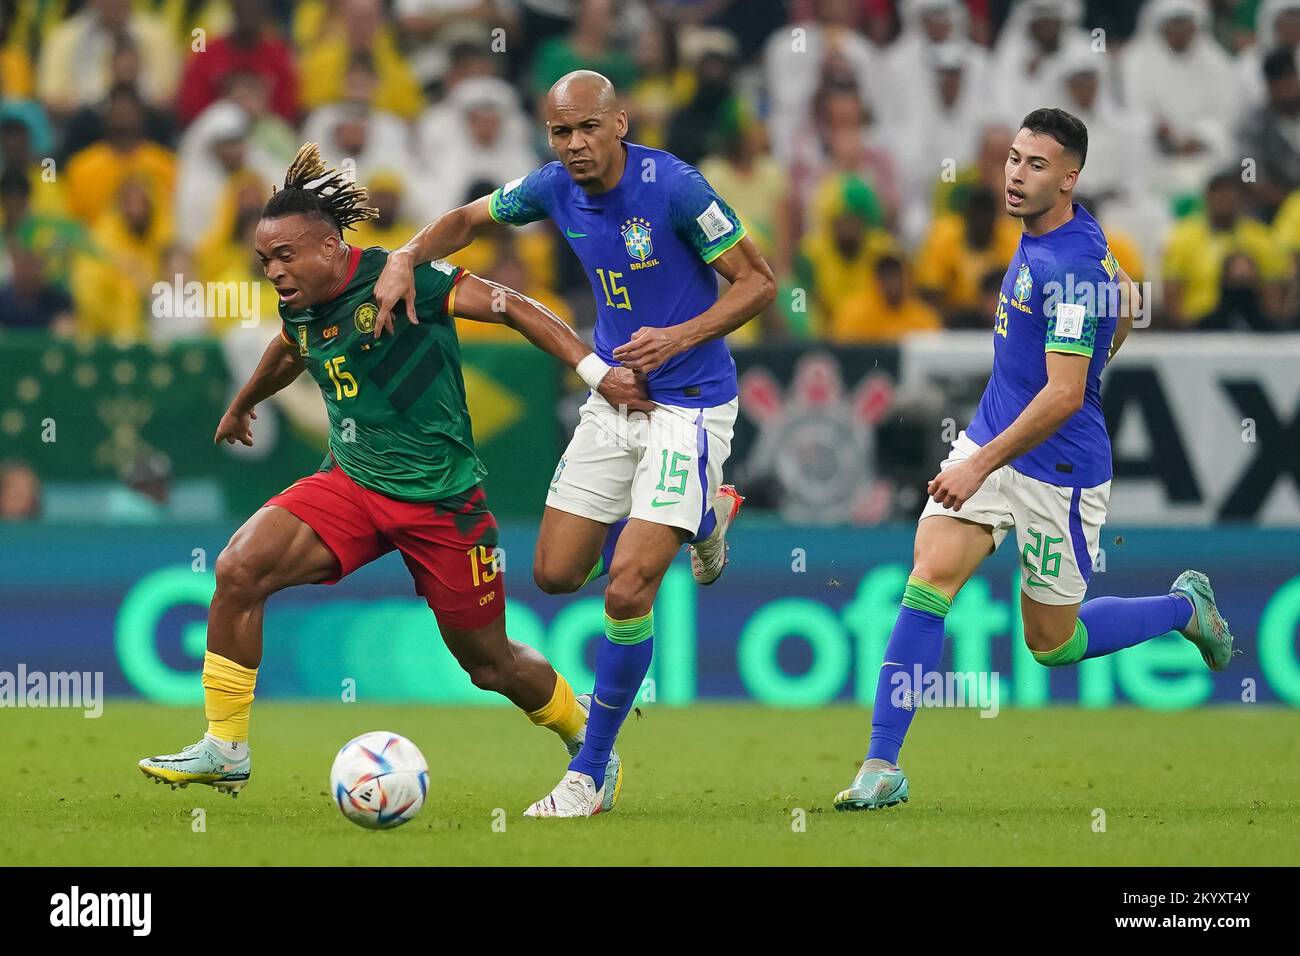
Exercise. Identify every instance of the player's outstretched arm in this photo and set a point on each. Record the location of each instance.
(1130, 305)
(1061, 397)
(752, 289)
(487, 301)
(449, 233)
(280, 365)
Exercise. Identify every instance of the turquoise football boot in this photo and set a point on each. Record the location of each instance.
(202, 763)
(877, 784)
(1207, 629)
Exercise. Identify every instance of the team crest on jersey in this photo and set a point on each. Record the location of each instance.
(302, 340)
(1024, 286)
(364, 317)
(636, 236)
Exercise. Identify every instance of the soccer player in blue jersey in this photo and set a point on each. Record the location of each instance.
(652, 236)
(1035, 458)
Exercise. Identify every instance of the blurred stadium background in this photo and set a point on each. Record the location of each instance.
(862, 142)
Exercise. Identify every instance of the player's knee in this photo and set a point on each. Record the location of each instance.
(239, 579)
(933, 573)
(552, 580)
(1041, 639)
(629, 593)
(490, 675)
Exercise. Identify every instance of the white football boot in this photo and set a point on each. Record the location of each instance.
(709, 557)
(574, 796)
(613, 768)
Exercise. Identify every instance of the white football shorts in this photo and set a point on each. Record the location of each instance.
(1058, 528)
(664, 467)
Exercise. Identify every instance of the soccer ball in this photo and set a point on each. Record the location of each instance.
(379, 780)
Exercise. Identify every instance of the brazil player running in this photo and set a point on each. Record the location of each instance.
(401, 474)
(651, 234)
(1035, 458)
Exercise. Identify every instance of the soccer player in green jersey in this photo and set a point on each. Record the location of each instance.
(401, 474)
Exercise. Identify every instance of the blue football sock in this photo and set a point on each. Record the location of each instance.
(707, 526)
(1114, 623)
(622, 661)
(916, 641)
(601, 567)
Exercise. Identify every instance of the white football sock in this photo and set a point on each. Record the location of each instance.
(230, 749)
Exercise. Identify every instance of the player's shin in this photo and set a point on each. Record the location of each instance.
(601, 567)
(622, 661)
(227, 701)
(915, 647)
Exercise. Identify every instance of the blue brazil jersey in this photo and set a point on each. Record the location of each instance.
(1059, 295)
(646, 246)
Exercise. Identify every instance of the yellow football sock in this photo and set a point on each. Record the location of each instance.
(562, 714)
(227, 697)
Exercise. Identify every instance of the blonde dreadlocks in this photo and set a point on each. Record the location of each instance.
(313, 190)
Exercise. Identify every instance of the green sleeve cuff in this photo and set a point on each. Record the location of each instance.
(713, 254)
(1071, 349)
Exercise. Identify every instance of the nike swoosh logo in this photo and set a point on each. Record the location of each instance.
(574, 235)
(659, 504)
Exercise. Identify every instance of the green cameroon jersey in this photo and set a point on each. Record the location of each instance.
(398, 420)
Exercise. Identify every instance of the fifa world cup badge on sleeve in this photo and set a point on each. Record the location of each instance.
(1069, 320)
(713, 222)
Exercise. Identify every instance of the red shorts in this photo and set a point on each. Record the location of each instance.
(449, 546)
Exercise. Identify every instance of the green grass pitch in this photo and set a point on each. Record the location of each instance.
(711, 784)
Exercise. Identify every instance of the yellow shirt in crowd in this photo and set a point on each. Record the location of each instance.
(95, 174)
(113, 290)
(868, 317)
(1195, 254)
(370, 233)
(947, 265)
(323, 67)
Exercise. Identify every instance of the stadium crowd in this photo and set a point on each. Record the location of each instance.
(861, 141)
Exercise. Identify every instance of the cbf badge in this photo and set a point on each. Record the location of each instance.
(636, 236)
(1024, 286)
(364, 317)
